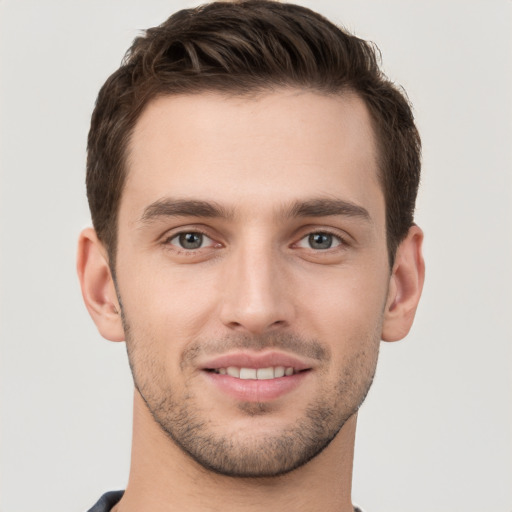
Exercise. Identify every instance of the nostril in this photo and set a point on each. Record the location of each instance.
(256, 327)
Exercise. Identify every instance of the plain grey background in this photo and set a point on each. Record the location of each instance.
(436, 431)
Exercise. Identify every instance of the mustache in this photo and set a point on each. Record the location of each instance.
(287, 342)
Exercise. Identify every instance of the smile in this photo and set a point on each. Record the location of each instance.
(249, 376)
(272, 372)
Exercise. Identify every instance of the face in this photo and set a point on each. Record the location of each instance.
(252, 273)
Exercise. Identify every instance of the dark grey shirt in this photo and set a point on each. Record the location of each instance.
(109, 499)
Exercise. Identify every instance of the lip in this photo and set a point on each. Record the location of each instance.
(256, 360)
(253, 390)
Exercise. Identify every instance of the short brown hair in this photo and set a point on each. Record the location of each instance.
(243, 48)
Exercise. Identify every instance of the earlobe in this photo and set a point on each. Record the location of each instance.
(98, 290)
(406, 284)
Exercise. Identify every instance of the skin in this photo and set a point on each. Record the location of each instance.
(277, 168)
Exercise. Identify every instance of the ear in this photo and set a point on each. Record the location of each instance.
(97, 285)
(405, 286)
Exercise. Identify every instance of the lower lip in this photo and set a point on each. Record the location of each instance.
(252, 390)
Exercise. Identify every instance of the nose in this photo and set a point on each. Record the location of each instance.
(257, 295)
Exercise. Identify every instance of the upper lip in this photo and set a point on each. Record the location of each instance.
(256, 360)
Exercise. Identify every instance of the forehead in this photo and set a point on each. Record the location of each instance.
(252, 152)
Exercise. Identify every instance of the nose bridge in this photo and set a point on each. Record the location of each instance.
(255, 297)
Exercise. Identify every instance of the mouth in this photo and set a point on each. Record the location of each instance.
(268, 373)
(251, 377)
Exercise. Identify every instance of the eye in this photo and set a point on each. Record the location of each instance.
(320, 241)
(190, 240)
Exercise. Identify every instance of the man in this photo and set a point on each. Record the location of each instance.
(252, 178)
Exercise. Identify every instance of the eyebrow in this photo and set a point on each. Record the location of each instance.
(324, 207)
(169, 207)
(321, 207)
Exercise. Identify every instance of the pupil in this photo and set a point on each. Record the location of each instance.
(191, 240)
(320, 240)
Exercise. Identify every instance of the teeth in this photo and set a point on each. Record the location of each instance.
(279, 371)
(233, 372)
(265, 373)
(256, 374)
(247, 373)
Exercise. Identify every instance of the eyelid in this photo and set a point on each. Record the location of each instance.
(339, 241)
(344, 238)
(205, 239)
(185, 228)
(171, 234)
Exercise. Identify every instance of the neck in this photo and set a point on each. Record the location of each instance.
(163, 478)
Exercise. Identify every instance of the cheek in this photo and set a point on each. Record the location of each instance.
(163, 315)
(345, 309)
(168, 304)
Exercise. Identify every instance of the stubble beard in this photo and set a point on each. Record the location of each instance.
(241, 455)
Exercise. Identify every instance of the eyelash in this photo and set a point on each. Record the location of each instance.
(336, 238)
(182, 250)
